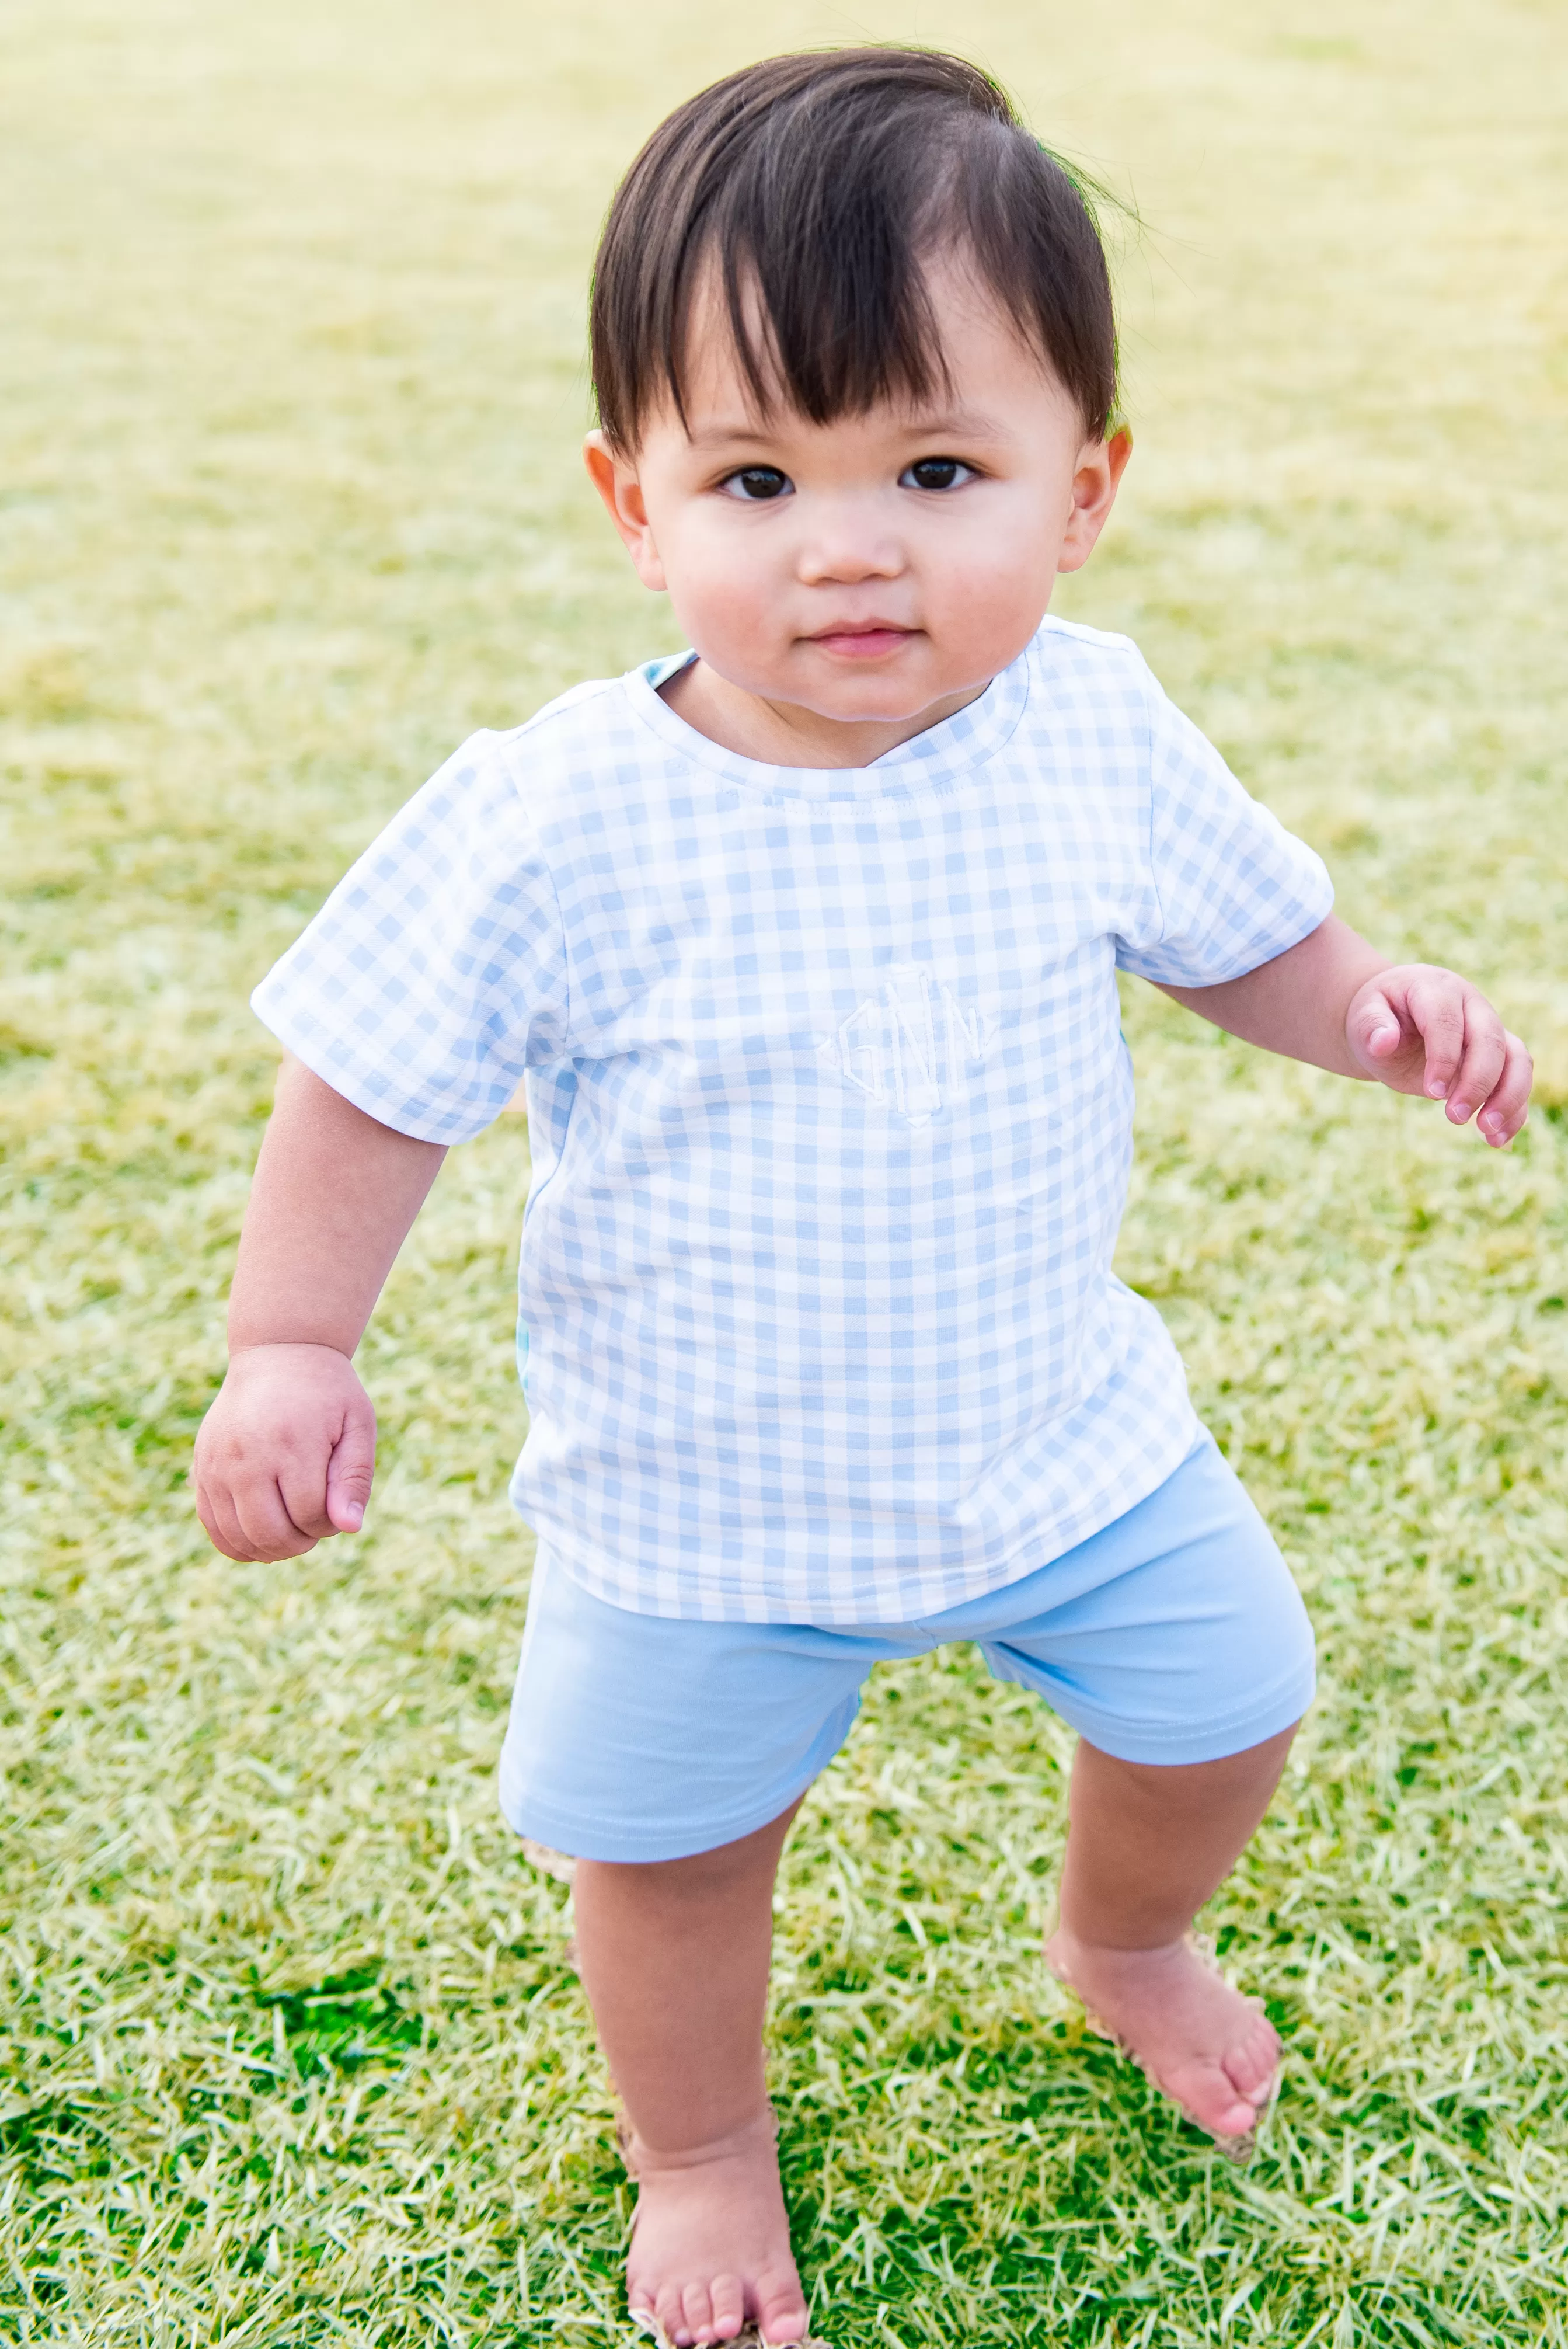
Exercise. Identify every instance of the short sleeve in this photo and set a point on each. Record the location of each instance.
(1232, 888)
(436, 972)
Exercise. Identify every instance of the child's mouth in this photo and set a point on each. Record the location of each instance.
(868, 642)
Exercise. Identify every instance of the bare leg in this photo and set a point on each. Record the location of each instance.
(675, 1956)
(1146, 1847)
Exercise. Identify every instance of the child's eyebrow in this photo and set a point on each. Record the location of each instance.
(963, 423)
(718, 436)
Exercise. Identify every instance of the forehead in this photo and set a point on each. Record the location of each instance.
(982, 367)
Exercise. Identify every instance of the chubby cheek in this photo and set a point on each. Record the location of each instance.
(980, 606)
(731, 601)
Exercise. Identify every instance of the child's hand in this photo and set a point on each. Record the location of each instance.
(1426, 1031)
(286, 1457)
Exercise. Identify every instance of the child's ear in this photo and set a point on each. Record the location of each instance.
(615, 476)
(1097, 477)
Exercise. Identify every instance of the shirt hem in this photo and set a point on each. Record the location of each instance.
(836, 1607)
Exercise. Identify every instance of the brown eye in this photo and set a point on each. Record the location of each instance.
(757, 483)
(935, 473)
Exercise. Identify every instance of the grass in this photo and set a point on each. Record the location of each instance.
(292, 2054)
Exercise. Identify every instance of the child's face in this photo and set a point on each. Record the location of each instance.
(877, 567)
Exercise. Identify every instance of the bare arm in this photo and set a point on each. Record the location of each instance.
(334, 1199)
(286, 1457)
(1337, 1002)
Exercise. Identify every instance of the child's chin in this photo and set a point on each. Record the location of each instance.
(881, 693)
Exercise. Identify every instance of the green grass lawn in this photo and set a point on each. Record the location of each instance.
(294, 381)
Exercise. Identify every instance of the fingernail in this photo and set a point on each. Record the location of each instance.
(1437, 1089)
(1459, 1111)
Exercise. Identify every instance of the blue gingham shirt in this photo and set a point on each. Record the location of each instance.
(830, 1115)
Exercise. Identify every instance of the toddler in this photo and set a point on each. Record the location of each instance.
(804, 944)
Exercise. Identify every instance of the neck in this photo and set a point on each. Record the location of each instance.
(786, 734)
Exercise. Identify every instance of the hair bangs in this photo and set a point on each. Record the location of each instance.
(802, 200)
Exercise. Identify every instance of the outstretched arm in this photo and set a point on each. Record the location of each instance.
(285, 1456)
(1335, 1002)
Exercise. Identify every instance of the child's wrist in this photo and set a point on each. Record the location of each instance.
(242, 1348)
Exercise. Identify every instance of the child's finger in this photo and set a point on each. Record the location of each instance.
(351, 1471)
(268, 1529)
(1507, 1104)
(1436, 1007)
(220, 1525)
(302, 1487)
(1379, 1027)
(1481, 1063)
(249, 1526)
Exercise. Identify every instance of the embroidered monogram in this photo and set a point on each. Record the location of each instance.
(906, 1043)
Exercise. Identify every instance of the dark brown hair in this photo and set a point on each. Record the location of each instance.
(816, 184)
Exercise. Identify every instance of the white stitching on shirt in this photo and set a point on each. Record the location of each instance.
(903, 1041)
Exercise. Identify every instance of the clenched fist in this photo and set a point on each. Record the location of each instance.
(286, 1457)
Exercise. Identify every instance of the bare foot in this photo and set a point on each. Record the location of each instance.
(1211, 2050)
(710, 2243)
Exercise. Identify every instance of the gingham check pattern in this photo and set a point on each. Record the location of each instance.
(831, 1115)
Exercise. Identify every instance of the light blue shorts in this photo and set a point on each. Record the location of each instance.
(1173, 1635)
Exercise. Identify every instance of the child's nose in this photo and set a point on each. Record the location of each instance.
(848, 545)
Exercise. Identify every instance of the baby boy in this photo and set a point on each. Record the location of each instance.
(804, 946)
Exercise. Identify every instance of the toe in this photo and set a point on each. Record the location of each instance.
(696, 2308)
(780, 2310)
(1238, 2119)
(671, 2317)
(1250, 2067)
(729, 2297)
(1206, 2095)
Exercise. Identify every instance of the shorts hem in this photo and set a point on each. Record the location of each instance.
(632, 1845)
(1211, 1741)
(626, 1841)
